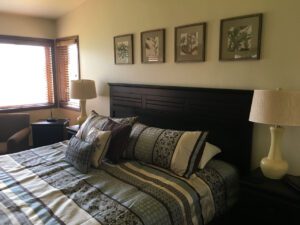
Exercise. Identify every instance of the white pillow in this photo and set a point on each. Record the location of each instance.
(209, 152)
(100, 140)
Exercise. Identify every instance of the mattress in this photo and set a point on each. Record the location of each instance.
(38, 186)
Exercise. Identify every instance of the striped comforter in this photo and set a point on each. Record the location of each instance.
(38, 187)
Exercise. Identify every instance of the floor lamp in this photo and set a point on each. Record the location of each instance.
(82, 90)
(277, 108)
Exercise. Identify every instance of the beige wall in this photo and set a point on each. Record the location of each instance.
(97, 21)
(11, 24)
(18, 25)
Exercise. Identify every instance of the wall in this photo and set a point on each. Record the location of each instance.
(18, 25)
(97, 21)
(11, 24)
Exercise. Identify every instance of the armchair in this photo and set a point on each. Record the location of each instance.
(14, 132)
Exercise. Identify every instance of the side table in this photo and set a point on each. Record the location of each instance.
(46, 133)
(267, 201)
(72, 130)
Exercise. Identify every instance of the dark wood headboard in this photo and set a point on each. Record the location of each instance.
(223, 112)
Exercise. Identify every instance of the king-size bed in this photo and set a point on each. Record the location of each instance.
(40, 186)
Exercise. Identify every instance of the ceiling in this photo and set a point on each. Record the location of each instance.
(40, 8)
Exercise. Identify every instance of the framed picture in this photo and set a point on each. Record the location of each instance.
(123, 47)
(240, 38)
(190, 43)
(153, 46)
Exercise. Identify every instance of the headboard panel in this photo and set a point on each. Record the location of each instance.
(223, 112)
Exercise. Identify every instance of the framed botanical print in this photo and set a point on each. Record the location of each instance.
(123, 47)
(190, 43)
(240, 38)
(153, 46)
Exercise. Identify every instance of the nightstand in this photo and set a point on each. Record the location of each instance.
(72, 130)
(266, 201)
(46, 133)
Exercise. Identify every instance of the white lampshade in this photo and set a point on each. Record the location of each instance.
(276, 107)
(83, 89)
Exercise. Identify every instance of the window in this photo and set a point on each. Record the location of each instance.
(67, 67)
(26, 73)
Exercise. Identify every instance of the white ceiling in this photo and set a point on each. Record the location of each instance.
(40, 8)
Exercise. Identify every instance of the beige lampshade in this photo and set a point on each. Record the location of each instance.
(276, 107)
(83, 89)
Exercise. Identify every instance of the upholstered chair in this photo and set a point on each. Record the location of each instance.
(14, 132)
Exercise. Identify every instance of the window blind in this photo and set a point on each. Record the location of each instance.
(67, 68)
(26, 72)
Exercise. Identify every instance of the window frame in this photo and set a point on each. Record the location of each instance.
(8, 39)
(60, 103)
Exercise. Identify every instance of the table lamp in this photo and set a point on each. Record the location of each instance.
(277, 108)
(82, 90)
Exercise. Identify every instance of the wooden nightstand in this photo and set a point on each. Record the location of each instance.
(46, 133)
(72, 130)
(266, 201)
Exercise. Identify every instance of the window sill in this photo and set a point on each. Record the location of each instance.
(69, 107)
(26, 108)
(23, 108)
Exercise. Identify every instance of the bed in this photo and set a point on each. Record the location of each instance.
(39, 187)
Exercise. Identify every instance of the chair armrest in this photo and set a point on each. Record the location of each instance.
(18, 141)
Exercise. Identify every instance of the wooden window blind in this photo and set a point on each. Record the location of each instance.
(49, 74)
(26, 73)
(67, 68)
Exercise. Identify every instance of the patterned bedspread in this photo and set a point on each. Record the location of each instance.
(38, 187)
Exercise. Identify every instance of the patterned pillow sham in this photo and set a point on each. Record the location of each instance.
(79, 153)
(126, 120)
(100, 140)
(98, 121)
(119, 139)
(178, 151)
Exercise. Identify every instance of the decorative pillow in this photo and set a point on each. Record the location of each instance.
(179, 151)
(79, 154)
(126, 120)
(96, 120)
(209, 152)
(93, 120)
(119, 139)
(137, 129)
(100, 140)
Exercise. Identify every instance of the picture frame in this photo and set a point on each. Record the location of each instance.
(123, 49)
(153, 46)
(190, 43)
(240, 38)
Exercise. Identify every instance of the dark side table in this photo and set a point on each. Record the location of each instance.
(72, 130)
(46, 133)
(267, 201)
